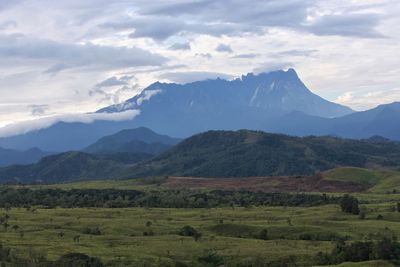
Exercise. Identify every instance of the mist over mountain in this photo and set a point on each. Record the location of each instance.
(276, 102)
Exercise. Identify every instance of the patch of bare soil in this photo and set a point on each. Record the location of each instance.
(266, 184)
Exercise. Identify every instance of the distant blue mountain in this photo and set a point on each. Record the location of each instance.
(275, 92)
(11, 157)
(383, 121)
(139, 140)
(276, 102)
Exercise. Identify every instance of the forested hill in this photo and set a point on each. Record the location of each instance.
(218, 154)
(252, 153)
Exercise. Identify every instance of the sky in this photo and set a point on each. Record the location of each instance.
(72, 56)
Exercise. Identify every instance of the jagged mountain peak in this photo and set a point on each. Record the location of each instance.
(277, 91)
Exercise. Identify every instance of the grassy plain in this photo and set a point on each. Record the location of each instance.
(149, 236)
(230, 232)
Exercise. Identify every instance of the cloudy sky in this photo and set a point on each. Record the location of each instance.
(71, 56)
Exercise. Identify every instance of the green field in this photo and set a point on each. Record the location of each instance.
(230, 232)
(150, 236)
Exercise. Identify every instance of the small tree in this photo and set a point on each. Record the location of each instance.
(190, 231)
(349, 204)
(362, 213)
(263, 234)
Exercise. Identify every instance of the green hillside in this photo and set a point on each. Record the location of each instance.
(66, 167)
(251, 153)
(222, 154)
(377, 181)
(357, 175)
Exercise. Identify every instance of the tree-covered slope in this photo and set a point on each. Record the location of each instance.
(251, 153)
(221, 154)
(63, 167)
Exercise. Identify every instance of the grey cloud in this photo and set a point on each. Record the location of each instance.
(192, 76)
(258, 13)
(38, 110)
(158, 28)
(74, 55)
(4, 4)
(56, 68)
(162, 27)
(111, 89)
(360, 25)
(178, 8)
(180, 46)
(297, 53)
(246, 56)
(9, 24)
(112, 81)
(204, 55)
(224, 48)
(213, 18)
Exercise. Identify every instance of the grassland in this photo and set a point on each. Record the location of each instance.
(149, 236)
(230, 232)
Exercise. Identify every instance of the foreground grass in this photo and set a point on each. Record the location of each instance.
(363, 264)
(232, 233)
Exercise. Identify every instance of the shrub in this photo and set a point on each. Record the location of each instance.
(349, 204)
(77, 260)
(92, 231)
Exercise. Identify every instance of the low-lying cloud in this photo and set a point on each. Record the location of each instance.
(42, 123)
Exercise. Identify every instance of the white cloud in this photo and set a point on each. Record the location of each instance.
(192, 76)
(363, 101)
(37, 124)
(54, 53)
(146, 95)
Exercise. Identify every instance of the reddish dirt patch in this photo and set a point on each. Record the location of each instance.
(266, 184)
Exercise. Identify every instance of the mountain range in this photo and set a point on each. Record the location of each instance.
(218, 154)
(277, 102)
(247, 153)
(107, 158)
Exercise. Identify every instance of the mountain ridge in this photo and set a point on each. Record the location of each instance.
(277, 91)
(183, 110)
(216, 154)
(246, 153)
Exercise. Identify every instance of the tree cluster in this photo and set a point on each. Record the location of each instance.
(386, 248)
(113, 198)
(349, 204)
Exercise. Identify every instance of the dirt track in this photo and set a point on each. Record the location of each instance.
(266, 184)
